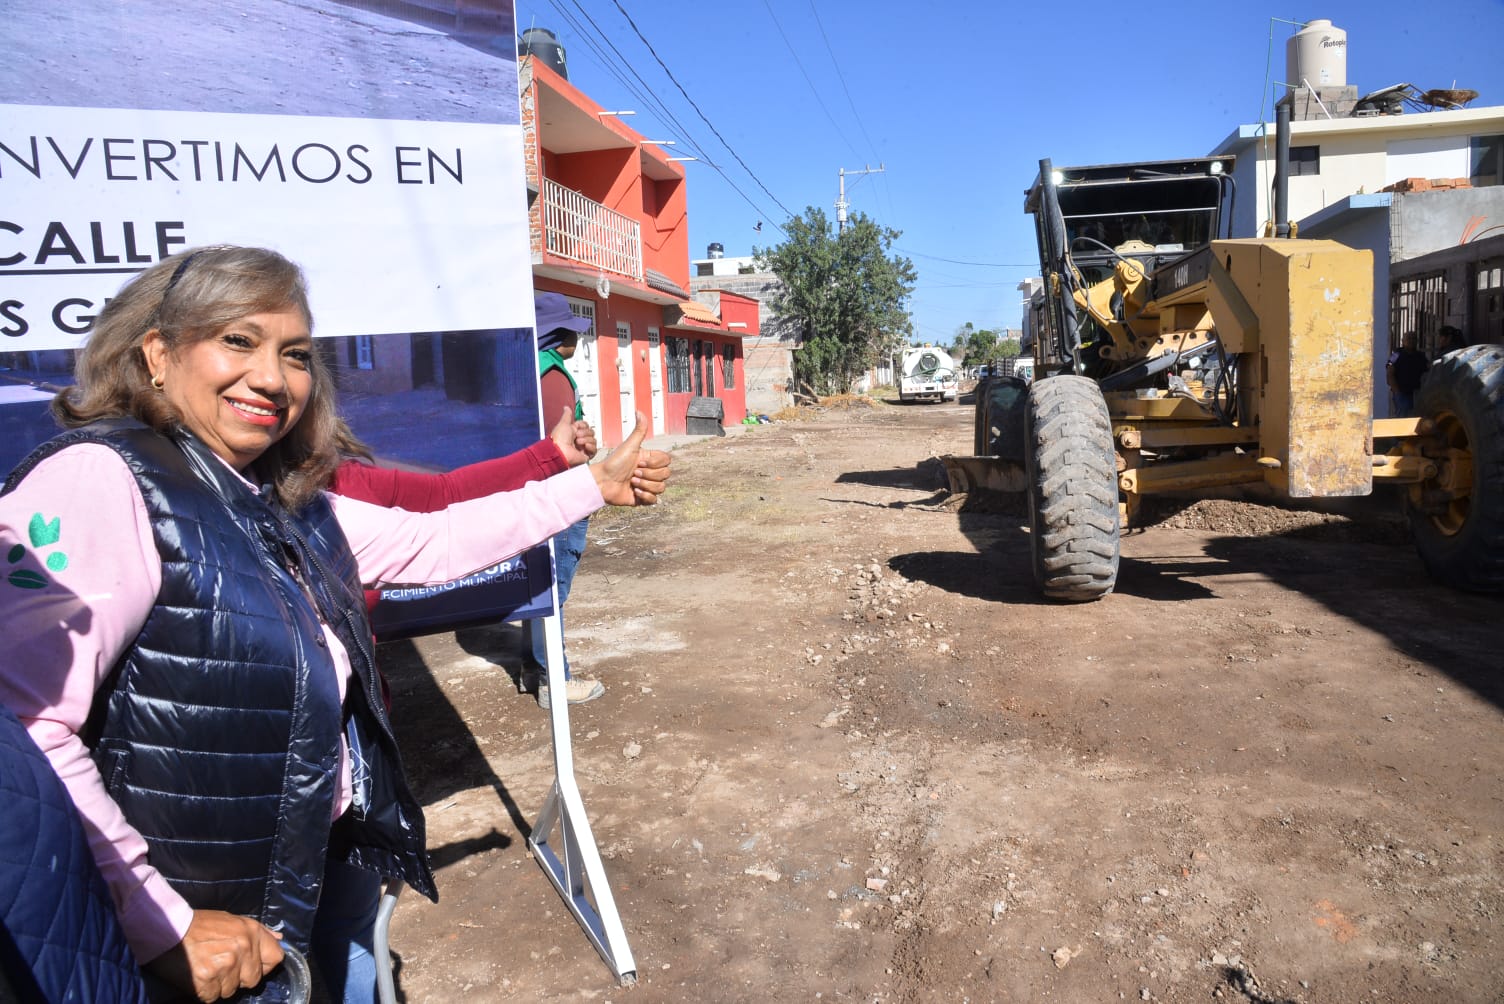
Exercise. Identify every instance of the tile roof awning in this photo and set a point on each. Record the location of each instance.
(662, 283)
(691, 314)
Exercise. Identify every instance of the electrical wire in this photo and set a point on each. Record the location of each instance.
(958, 261)
(835, 65)
(805, 73)
(646, 94)
(815, 90)
(599, 43)
(675, 80)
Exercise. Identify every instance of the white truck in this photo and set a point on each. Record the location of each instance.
(927, 374)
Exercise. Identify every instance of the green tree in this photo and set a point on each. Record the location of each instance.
(960, 345)
(844, 293)
(975, 346)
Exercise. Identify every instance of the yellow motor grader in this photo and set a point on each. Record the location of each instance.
(1171, 359)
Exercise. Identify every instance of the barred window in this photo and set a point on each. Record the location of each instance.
(704, 369)
(678, 365)
(728, 367)
(1417, 305)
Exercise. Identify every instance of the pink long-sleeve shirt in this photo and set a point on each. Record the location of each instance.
(81, 574)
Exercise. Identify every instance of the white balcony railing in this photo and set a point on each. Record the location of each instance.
(585, 231)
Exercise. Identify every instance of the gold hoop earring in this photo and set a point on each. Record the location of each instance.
(157, 383)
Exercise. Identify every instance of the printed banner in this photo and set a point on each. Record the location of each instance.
(377, 143)
(400, 226)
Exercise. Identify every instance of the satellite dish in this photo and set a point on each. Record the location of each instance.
(1447, 97)
(603, 287)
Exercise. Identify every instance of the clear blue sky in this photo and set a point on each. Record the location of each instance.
(960, 103)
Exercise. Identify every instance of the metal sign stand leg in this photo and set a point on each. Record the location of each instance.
(574, 864)
(385, 990)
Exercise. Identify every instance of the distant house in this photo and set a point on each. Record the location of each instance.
(705, 337)
(1399, 185)
(1332, 159)
(1029, 324)
(769, 354)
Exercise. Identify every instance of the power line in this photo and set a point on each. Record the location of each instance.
(835, 65)
(861, 124)
(646, 93)
(964, 285)
(675, 80)
(647, 96)
(839, 75)
(805, 74)
(957, 261)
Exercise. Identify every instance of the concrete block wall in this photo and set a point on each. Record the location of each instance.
(1322, 102)
(1434, 218)
(768, 358)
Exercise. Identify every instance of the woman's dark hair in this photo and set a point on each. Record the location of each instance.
(189, 297)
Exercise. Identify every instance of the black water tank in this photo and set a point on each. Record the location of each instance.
(545, 45)
(715, 251)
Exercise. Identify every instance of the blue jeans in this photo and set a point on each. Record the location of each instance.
(344, 931)
(568, 547)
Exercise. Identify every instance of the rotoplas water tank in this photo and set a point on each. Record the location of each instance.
(1316, 56)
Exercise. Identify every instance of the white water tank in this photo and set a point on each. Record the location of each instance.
(1316, 56)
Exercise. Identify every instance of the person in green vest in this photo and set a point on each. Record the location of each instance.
(558, 334)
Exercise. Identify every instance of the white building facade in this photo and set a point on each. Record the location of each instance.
(1444, 175)
(1332, 159)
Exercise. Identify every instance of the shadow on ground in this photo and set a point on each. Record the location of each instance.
(926, 476)
(1361, 565)
(425, 719)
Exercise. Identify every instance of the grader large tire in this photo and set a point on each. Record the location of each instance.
(1073, 489)
(1458, 519)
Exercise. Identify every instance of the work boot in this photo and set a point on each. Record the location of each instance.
(577, 690)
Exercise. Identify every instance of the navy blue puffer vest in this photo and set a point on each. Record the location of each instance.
(218, 733)
(59, 937)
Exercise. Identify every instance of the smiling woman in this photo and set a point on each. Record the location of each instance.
(179, 338)
(242, 389)
(186, 631)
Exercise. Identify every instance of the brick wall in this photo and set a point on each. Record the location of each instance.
(532, 168)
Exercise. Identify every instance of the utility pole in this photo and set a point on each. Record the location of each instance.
(841, 202)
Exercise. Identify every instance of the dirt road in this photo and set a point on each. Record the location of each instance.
(848, 755)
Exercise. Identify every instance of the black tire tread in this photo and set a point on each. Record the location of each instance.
(1469, 383)
(1073, 492)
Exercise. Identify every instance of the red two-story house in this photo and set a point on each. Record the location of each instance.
(609, 230)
